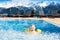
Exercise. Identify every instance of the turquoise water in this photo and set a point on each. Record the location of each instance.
(14, 30)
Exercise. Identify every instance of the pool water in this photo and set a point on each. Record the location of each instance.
(14, 30)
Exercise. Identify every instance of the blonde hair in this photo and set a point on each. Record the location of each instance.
(32, 27)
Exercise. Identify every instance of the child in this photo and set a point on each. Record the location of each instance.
(32, 28)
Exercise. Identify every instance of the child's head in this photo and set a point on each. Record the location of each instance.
(32, 27)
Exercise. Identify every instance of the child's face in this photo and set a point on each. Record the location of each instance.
(32, 27)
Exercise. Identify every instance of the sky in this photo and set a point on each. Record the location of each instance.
(30, 0)
(10, 3)
(4, 0)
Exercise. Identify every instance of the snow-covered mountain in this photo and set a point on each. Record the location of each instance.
(25, 3)
(25, 8)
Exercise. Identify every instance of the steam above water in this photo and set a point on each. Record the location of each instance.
(17, 35)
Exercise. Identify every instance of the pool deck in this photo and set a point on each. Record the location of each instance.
(53, 20)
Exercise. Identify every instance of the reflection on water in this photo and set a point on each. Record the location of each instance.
(17, 35)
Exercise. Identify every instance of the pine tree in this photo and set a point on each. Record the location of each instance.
(32, 12)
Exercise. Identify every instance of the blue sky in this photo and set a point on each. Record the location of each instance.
(46, 0)
(4, 0)
(31, 0)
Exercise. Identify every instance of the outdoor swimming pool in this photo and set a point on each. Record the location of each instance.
(14, 30)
